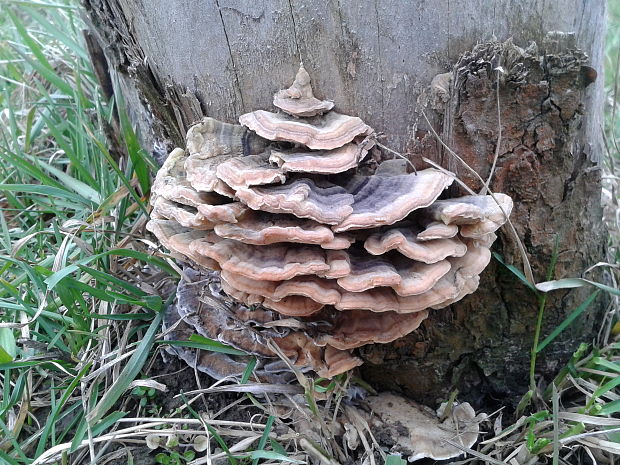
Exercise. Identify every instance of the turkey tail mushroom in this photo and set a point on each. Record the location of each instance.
(308, 252)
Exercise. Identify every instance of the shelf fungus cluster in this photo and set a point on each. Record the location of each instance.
(309, 253)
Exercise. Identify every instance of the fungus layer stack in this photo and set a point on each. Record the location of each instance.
(304, 243)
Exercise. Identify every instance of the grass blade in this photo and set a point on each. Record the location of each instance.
(206, 344)
(41, 64)
(518, 273)
(395, 460)
(54, 279)
(567, 321)
(129, 373)
(47, 191)
(270, 455)
(263, 440)
(571, 283)
(51, 421)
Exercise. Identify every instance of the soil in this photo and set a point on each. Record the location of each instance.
(178, 378)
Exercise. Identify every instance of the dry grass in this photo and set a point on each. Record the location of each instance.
(82, 293)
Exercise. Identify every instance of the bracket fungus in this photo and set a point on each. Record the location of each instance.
(301, 254)
(420, 433)
(299, 99)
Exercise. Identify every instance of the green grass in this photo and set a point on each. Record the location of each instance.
(79, 314)
(68, 217)
(80, 317)
(611, 131)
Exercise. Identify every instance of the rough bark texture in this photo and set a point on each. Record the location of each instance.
(182, 59)
(481, 345)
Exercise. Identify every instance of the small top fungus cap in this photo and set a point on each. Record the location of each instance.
(299, 100)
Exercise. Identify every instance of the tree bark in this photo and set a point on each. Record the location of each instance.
(178, 60)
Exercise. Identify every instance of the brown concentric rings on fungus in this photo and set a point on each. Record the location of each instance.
(324, 202)
(171, 182)
(211, 142)
(384, 200)
(222, 214)
(215, 318)
(314, 255)
(325, 132)
(260, 228)
(186, 216)
(181, 243)
(163, 230)
(275, 262)
(493, 217)
(406, 242)
(322, 161)
(436, 230)
(252, 170)
(357, 328)
(404, 276)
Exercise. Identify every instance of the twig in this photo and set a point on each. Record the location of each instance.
(152, 422)
(555, 399)
(485, 188)
(316, 453)
(258, 388)
(590, 433)
(450, 173)
(485, 458)
(394, 152)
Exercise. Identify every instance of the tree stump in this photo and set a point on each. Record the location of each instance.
(179, 60)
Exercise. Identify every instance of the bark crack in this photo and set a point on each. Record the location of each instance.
(232, 59)
(290, 6)
(448, 29)
(340, 20)
(380, 63)
(581, 15)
